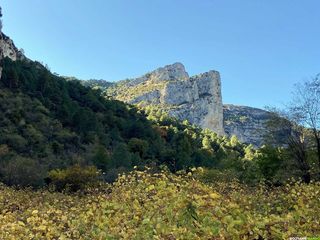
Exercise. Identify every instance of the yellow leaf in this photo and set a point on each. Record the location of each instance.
(214, 195)
(35, 212)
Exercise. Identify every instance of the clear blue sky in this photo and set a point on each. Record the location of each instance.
(260, 47)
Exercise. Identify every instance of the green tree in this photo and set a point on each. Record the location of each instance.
(250, 152)
(74, 178)
(121, 157)
(101, 158)
(139, 146)
(206, 143)
(305, 107)
(22, 172)
(270, 161)
(11, 78)
(295, 140)
(234, 141)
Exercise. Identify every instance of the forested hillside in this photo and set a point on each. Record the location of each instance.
(157, 156)
(49, 123)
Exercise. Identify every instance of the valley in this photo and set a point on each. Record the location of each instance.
(160, 156)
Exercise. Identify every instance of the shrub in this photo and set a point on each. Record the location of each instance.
(20, 171)
(74, 178)
(145, 205)
(137, 145)
(216, 175)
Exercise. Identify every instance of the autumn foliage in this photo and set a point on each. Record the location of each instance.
(146, 205)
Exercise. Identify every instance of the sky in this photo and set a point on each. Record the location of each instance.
(260, 47)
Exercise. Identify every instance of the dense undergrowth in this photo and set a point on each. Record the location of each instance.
(146, 205)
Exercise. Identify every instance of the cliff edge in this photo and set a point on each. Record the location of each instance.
(196, 99)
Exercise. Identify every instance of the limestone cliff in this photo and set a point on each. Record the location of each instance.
(247, 123)
(196, 99)
(8, 49)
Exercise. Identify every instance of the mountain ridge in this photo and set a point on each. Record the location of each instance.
(245, 122)
(49, 122)
(196, 98)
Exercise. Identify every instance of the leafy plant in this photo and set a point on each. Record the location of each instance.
(74, 178)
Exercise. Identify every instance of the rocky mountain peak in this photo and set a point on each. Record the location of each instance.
(8, 49)
(173, 72)
(196, 99)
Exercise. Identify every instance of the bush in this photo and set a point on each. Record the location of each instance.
(137, 145)
(112, 174)
(251, 173)
(74, 178)
(16, 142)
(145, 205)
(20, 171)
(216, 175)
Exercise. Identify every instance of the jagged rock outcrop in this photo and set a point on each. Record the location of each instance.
(247, 123)
(8, 49)
(196, 99)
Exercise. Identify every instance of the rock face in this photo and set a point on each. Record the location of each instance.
(247, 123)
(8, 49)
(196, 99)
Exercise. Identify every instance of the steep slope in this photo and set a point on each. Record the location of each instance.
(8, 49)
(48, 122)
(247, 123)
(196, 99)
(53, 123)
